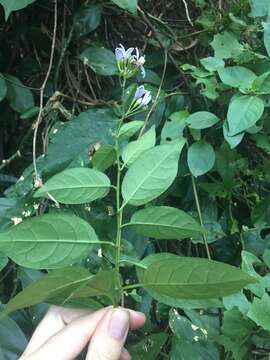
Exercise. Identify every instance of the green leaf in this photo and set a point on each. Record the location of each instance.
(259, 311)
(13, 5)
(236, 334)
(3, 88)
(238, 301)
(76, 186)
(48, 241)
(134, 149)
(226, 46)
(174, 127)
(233, 141)
(129, 129)
(28, 114)
(149, 348)
(212, 63)
(237, 76)
(266, 36)
(164, 222)
(20, 97)
(61, 285)
(151, 174)
(12, 340)
(171, 300)
(104, 157)
(80, 134)
(202, 120)
(192, 278)
(262, 83)
(259, 8)
(100, 60)
(183, 350)
(261, 213)
(200, 157)
(87, 19)
(3, 261)
(129, 5)
(244, 111)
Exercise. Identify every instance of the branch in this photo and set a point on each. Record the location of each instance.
(41, 101)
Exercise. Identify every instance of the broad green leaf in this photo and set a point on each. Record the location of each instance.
(149, 348)
(259, 8)
(261, 213)
(48, 241)
(129, 5)
(263, 282)
(28, 114)
(134, 149)
(104, 157)
(212, 63)
(226, 46)
(174, 127)
(191, 336)
(182, 349)
(87, 19)
(20, 98)
(129, 129)
(76, 186)
(238, 301)
(266, 257)
(233, 141)
(266, 36)
(244, 111)
(151, 174)
(59, 286)
(82, 132)
(171, 300)
(213, 229)
(200, 157)
(259, 311)
(3, 261)
(236, 331)
(193, 278)
(101, 60)
(209, 87)
(13, 5)
(262, 83)
(164, 222)
(3, 88)
(202, 120)
(12, 340)
(237, 76)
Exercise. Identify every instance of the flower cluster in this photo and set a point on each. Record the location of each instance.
(129, 61)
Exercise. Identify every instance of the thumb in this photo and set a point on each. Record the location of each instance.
(110, 335)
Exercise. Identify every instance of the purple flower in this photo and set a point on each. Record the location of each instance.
(142, 96)
(122, 53)
(129, 62)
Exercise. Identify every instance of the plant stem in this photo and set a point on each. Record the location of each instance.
(200, 214)
(119, 212)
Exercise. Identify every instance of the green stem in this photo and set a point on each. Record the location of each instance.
(119, 214)
(200, 215)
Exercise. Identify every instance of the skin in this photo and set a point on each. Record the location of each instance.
(64, 333)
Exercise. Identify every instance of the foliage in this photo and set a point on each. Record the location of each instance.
(138, 176)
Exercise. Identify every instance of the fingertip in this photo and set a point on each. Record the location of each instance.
(137, 319)
(125, 355)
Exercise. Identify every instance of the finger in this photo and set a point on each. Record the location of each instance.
(125, 355)
(71, 340)
(110, 336)
(54, 321)
(137, 319)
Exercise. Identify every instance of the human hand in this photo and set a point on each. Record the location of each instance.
(64, 333)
